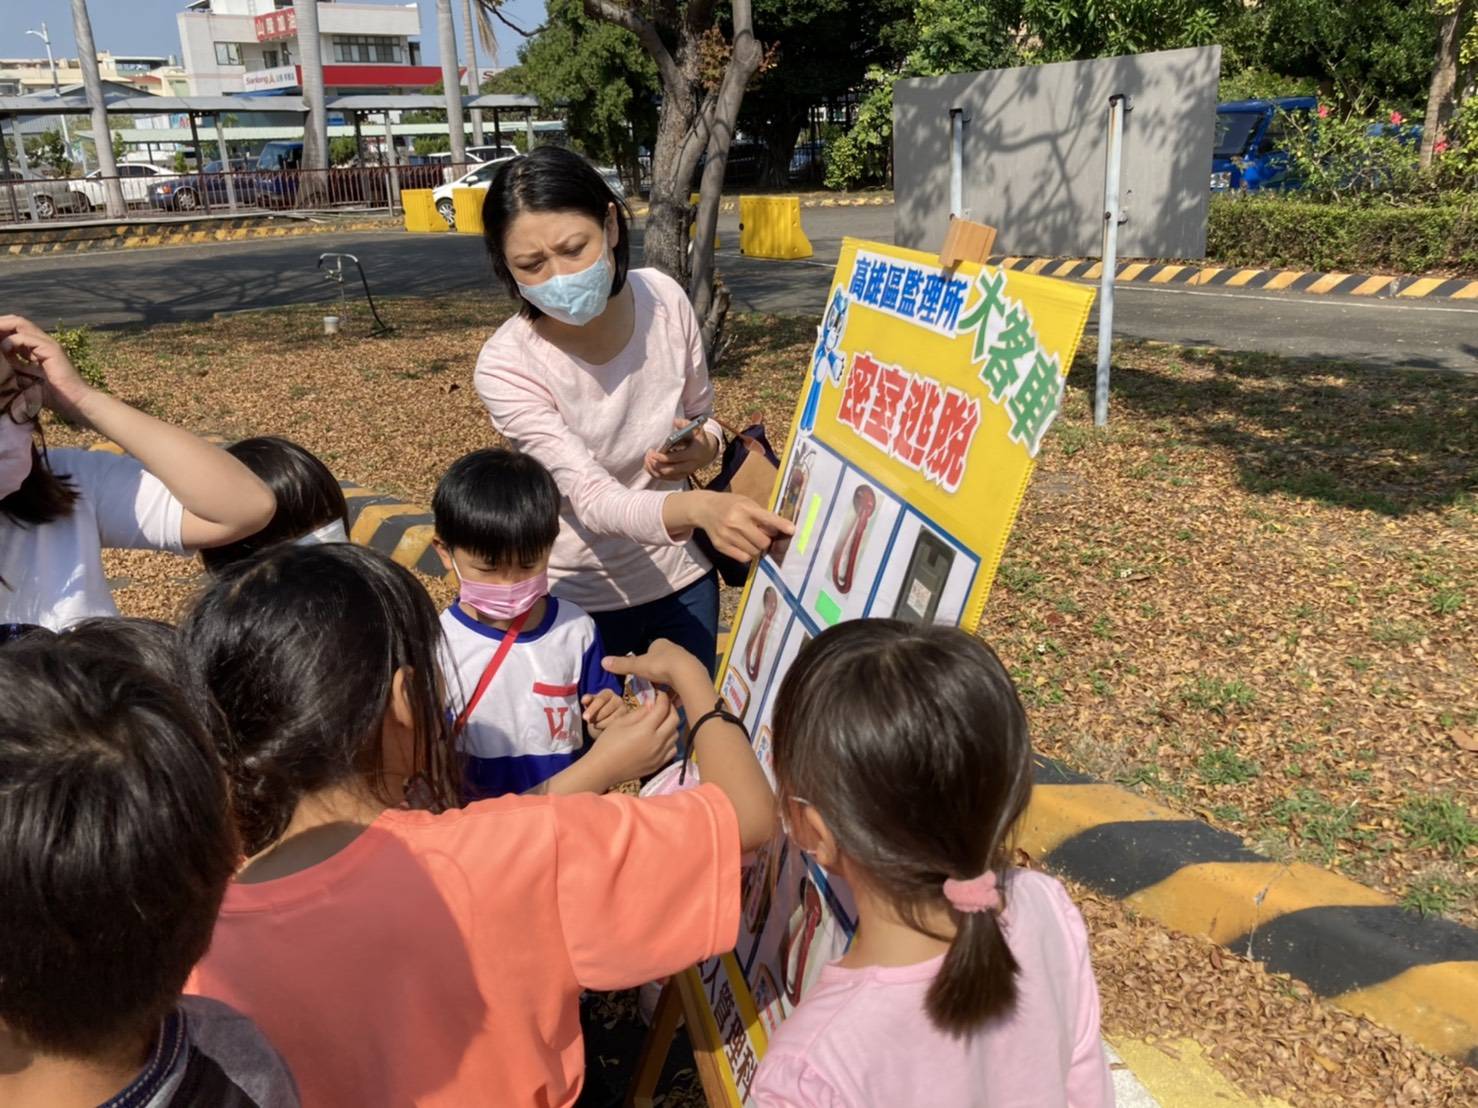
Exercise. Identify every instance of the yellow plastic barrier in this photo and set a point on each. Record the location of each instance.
(770, 227)
(420, 211)
(467, 208)
(693, 199)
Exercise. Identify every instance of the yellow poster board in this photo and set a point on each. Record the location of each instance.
(928, 395)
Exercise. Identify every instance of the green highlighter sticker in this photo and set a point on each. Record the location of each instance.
(813, 510)
(828, 609)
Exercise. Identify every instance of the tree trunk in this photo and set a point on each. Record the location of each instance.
(689, 123)
(315, 132)
(446, 43)
(709, 296)
(472, 82)
(1444, 79)
(102, 137)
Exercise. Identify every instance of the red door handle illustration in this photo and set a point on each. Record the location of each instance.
(844, 558)
(754, 648)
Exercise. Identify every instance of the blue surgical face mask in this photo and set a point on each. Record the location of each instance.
(574, 298)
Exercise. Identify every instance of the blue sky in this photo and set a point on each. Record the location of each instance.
(148, 27)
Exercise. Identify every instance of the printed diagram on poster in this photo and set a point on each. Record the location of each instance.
(919, 420)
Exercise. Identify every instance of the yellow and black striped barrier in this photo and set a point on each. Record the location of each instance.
(396, 529)
(1351, 945)
(92, 238)
(1235, 277)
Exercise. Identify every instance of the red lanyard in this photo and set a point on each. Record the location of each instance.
(488, 674)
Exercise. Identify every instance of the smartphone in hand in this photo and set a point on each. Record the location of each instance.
(682, 436)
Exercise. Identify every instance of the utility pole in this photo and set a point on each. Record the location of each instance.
(102, 137)
(56, 87)
(315, 133)
(446, 39)
(472, 82)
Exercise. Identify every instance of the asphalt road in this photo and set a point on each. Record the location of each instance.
(171, 284)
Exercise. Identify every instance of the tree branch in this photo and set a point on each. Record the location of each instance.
(494, 8)
(646, 32)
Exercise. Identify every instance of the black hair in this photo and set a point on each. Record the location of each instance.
(299, 649)
(308, 497)
(116, 840)
(498, 505)
(550, 179)
(44, 496)
(911, 744)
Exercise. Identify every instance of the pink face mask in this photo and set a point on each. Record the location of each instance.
(15, 454)
(503, 601)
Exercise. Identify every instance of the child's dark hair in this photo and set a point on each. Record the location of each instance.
(550, 179)
(44, 495)
(498, 505)
(300, 648)
(308, 497)
(116, 840)
(911, 743)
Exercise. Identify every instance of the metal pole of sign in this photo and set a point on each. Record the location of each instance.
(957, 163)
(1112, 217)
(226, 167)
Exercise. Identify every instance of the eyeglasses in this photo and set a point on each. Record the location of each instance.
(23, 402)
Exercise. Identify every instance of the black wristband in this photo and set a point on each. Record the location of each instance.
(718, 712)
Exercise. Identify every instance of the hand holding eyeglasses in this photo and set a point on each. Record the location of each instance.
(37, 371)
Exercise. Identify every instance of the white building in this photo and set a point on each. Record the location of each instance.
(234, 46)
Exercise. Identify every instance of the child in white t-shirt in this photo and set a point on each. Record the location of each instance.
(524, 667)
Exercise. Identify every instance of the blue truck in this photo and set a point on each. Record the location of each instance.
(1250, 152)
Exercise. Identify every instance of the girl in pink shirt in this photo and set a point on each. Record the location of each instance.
(592, 377)
(902, 762)
(436, 956)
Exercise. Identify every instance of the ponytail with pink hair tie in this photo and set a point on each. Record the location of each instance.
(979, 894)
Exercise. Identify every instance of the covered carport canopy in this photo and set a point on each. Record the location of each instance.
(195, 107)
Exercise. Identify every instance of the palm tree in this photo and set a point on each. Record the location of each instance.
(470, 29)
(315, 134)
(446, 42)
(102, 137)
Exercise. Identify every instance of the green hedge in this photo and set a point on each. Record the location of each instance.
(1292, 234)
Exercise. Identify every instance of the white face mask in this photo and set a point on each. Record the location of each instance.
(329, 532)
(574, 298)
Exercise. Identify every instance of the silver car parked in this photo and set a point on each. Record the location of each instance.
(52, 196)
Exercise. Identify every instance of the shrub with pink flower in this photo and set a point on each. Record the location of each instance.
(1323, 111)
(1397, 118)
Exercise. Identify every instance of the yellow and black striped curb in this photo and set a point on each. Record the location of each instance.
(124, 236)
(1351, 945)
(730, 205)
(401, 531)
(1235, 277)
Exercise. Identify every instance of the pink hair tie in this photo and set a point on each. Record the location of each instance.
(979, 894)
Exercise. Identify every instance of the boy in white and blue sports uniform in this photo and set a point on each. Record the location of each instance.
(497, 515)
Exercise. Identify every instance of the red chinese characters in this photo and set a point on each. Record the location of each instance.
(916, 420)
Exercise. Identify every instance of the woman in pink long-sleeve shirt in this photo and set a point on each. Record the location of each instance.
(590, 378)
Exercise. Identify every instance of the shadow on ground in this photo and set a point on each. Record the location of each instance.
(1388, 441)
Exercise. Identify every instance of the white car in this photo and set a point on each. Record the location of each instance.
(135, 177)
(479, 178)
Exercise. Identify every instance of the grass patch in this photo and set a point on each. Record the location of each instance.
(1224, 766)
(1220, 697)
(1440, 822)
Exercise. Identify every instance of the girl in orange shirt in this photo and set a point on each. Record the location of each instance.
(436, 956)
